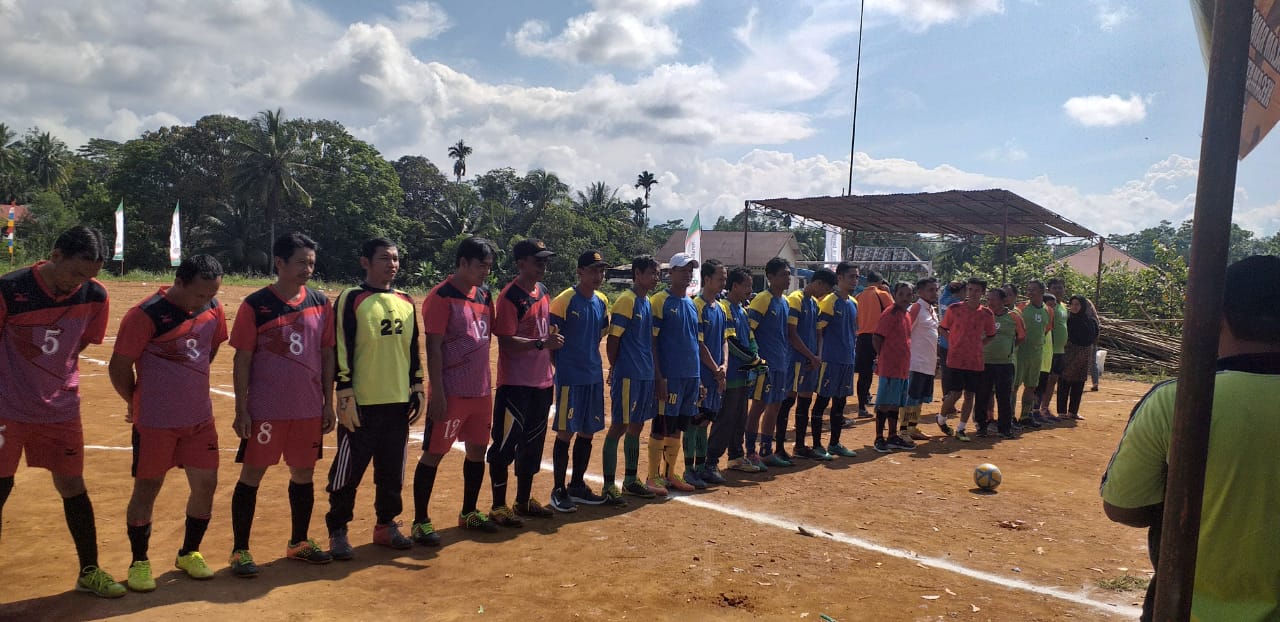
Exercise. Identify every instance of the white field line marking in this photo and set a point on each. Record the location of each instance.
(1078, 598)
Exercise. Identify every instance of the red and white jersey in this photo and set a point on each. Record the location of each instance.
(41, 336)
(171, 349)
(287, 339)
(465, 320)
(524, 314)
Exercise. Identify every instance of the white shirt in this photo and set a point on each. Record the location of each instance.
(924, 338)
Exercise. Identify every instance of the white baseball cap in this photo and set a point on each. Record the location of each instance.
(680, 260)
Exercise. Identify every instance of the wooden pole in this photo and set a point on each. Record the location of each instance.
(1097, 288)
(1210, 238)
(746, 227)
(1004, 248)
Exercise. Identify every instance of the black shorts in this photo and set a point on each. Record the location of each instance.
(1055, 367)
(960, 380)
(864, 360)
(920, 387)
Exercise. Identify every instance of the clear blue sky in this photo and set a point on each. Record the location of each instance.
(1092, 108)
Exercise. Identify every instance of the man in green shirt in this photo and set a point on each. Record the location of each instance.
(1237, 569)
(1038, 321)
(1059, 290)
(998, 365)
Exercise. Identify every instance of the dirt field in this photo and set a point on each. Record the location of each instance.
(900, 536)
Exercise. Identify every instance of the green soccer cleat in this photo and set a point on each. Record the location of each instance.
(193, 564)
(242, 565)
(140, 577)
(96, 581)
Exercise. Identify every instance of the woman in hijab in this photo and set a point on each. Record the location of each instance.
(1082, 333)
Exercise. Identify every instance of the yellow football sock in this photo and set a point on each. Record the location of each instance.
(671, 451)
(656, 446)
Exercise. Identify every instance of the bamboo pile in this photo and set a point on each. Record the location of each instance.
(1141, 346)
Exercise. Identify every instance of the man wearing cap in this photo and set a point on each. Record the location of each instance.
(676, 375)
(581, 315)
(525, 343)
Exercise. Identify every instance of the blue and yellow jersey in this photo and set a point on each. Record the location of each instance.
(378, 351)
(583, 321)
(675, 325)
(768, 315)
(838, 321)
(738, 327)
(803, 315)
(711, 325)
(631, 321)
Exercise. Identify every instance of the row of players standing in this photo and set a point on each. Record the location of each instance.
(679, 362)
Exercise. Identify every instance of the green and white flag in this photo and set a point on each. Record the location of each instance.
(119, 255)
(693, 248)
(175, 239)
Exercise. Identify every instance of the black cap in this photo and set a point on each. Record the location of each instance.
(591, 258)
(531, 247)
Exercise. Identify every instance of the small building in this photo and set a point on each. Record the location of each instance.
(1085, 261)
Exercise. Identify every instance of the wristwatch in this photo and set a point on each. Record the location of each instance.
(539, 344)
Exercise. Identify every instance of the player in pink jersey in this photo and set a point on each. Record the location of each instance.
(457, 316)
(160, 367)
(522, 323)
(284, 366)
(49, 312)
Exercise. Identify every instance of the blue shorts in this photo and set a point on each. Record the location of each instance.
(633, 401)
(771, 387)
(919, 389)
(800, 379)
(714, 399)
(835, 380)
(892, 393)
(682, 398)
(579, 408)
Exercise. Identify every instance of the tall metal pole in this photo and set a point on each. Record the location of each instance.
(1210, 238)
(746, 227)
(1097, 286)
(1004, 248)
(857, 79)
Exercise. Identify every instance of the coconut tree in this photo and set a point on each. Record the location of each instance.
(600, 203)
(230, 233)
(48, 161)
(459, 154)
(10, 164)
(537, 190)
(269, 162)
(646, 180)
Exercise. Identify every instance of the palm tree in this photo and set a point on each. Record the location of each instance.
(231, 234)
(10, 164)
(645, 180)
(539, 189)
(459, 153)
(600, 203)
(269, 164)
(638, 218)
(48, 161)
(459, 214)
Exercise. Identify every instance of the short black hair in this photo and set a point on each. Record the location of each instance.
(899, 285)
(874, 277)
(371, 246)
(1253, 313)
(738, 275)
(640, 263)
(973, 280)
(823, 275)
(1012, 287)
(845, 267)
(1035, 283)
(474, 248)
(203, 266)
(998, 290)
(709, 268)
(286, 245)
(1057, 281)
(81, 242)
(923, 283)
(775, 265)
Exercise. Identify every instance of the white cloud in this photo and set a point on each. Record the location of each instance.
(920, 15)
(1010, 151)
(624, 33)
(1106, 110)
(419, 20)
(1111, 15)
(795, 65)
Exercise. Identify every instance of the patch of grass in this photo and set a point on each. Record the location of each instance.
(1124, 583)
(1148, 378)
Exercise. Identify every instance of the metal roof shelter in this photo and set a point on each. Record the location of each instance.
(953, 212)
(967, 213)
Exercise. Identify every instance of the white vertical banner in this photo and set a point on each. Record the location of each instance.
(832, 251)
(175, 239)
(693, 248)
(119, 254)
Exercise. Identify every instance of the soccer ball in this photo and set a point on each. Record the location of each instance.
(987, 476)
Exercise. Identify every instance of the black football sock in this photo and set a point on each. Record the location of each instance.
(472, 480)
(302, 500)
(79, 513)
(424, 479)
(581, 457)
(139, 541)
(194, 534)
(244, 501)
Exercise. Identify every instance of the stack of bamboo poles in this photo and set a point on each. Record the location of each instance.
(1141, 346)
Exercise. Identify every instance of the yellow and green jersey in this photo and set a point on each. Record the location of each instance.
(377, 337)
